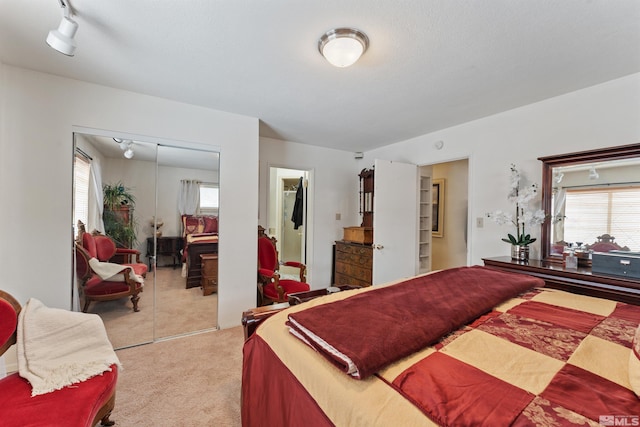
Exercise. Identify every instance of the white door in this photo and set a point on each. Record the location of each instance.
(395, 221)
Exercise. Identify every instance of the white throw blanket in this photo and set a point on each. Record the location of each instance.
(112, 272)
(57, 348)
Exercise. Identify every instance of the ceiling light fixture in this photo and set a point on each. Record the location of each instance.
(62, 38)
(342, 47)
(126, 145)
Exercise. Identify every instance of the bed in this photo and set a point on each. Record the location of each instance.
(463, 347)
(200, 233)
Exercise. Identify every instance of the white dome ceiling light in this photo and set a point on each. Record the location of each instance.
(342, 47)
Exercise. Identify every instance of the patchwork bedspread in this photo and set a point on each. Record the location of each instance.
(544, 358)
(547, 358)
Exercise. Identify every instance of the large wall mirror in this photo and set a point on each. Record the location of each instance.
(151, 206)
(591, 197)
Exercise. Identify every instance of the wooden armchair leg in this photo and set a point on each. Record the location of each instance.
(134, 300)
(87, 301)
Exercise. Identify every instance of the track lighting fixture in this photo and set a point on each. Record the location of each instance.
(126, 145)
(62, 38)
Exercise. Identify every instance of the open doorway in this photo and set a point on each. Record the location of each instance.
(449, 240)
(288, 218)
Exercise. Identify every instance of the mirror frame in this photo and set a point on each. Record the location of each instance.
(549, 162)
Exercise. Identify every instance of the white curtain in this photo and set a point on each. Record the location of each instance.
(558, 215)
(189, 197)
(96, 206)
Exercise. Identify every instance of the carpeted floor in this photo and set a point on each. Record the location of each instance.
(177, 311)
(187, 381)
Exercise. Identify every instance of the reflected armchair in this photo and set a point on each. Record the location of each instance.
(271, 287)
(606, 243)
(92, 287)
(103, 248)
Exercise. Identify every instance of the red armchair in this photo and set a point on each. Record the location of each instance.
(103, 248)
(271, 288)
(82, 404)
(93, 288)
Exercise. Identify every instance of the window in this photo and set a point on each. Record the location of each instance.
(593, 212)
(208, 198)
(81, 166)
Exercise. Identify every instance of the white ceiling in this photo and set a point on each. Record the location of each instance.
(431, 64)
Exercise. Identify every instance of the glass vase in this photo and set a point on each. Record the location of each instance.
(520, 253)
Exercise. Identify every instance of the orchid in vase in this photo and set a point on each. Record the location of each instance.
(521, 197)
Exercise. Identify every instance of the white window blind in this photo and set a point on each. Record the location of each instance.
(81, 167)
(591, 213)
(208, 198)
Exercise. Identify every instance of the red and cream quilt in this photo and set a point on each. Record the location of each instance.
(544, 357)
(547, 358)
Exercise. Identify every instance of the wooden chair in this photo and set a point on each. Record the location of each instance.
(82, 404)
(606, 243)
(271, 288)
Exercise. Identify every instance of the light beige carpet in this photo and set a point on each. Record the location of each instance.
(187, 381)
(177, 310)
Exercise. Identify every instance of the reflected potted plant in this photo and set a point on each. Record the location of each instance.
(521, 197)
(119, 222)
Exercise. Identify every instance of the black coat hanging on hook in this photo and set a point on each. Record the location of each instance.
(297, 215)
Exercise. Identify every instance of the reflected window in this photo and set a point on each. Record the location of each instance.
(81, 168)
(208, 198)
(593, 212)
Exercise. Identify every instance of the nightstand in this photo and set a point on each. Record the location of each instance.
(209, 280)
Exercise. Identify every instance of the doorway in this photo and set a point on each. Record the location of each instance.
(288, 219)
(449, 243)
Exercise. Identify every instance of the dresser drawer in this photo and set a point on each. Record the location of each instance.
(356, 271)
(354, 249)
(343, 279)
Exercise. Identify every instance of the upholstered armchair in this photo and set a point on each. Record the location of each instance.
(271, 286)
(103, 248)
(84, 403)
(606, 243)
(93, 287)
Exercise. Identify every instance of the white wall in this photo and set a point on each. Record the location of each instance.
(600, 116)
(38, 113)
(334, 177)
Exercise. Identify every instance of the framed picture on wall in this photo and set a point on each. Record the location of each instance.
(437, 205)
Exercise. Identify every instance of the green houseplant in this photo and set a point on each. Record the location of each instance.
(119, 222)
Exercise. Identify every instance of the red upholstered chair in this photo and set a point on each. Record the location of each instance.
(93, 288)
(606, 243)
(82, 404)
(103, 248)
(271, 287)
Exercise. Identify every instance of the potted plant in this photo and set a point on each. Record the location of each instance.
(119, 222)
(521, 197)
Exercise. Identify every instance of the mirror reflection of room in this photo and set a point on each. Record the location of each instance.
(128, 194)
(595, 207)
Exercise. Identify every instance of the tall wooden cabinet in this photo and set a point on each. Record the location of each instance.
(353, 264)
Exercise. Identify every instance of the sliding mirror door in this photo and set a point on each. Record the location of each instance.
(158, 204)
(187, 209)
(114, 195)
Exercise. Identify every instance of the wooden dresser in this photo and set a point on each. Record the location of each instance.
(353, 264)
(579, 280)
(209, 280)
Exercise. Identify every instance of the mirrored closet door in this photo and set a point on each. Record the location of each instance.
(132, 201)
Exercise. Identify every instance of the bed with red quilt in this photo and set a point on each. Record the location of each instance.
(200, 234)
(469, 346)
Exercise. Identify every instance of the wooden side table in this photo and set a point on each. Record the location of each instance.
(167, 246)
(209, 281)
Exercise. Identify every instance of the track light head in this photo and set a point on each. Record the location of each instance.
(62, 38)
